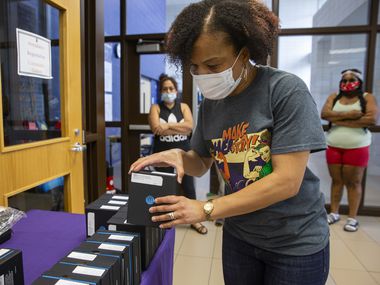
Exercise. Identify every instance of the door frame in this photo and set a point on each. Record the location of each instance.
(27, 165)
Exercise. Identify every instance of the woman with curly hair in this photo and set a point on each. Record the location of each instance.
(259, 125)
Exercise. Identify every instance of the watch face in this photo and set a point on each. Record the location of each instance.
(208, 207)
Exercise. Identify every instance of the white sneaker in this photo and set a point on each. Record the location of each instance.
(351, 225)
(332, 218)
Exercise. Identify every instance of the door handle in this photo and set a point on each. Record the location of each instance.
(77, 147)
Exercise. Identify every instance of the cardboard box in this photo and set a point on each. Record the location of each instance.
(124, 253)
(119, 223)
(102, 209)
(130, 239)
(80, 273)
(112, 262)
(11, 269)
(144, 187)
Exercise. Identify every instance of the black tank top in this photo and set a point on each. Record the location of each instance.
(173, 115)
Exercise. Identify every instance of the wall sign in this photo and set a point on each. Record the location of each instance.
(33, 55)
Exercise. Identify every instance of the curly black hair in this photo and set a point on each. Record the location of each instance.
(247, 23)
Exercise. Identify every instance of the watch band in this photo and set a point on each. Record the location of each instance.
(208, 213)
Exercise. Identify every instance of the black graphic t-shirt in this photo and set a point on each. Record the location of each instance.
(274, 115)
(173, 115)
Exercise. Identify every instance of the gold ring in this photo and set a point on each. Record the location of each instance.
(171, 216)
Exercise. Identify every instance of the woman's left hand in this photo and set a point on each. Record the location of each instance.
(179, 210)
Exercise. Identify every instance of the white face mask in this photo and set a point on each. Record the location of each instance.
(168, 97)
(217, 86)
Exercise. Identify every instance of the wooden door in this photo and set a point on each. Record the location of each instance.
(46, 143)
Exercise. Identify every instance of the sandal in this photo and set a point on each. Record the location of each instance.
(219, 222)
(352, 225)
(200, 229)
(332, 218)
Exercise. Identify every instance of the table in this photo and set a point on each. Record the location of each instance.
(45, 237)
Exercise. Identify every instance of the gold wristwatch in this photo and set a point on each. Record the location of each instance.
(208, 207)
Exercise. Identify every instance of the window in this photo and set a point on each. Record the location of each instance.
(112, 56)
(158, 15)
(31, 105)
(47, 196)
(113, 155)
(318, 60)
(323, 13)
(111, 17)
(376, 82)
(372, 197)
(151, 67)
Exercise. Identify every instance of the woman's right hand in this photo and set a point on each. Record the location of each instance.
(168, 158)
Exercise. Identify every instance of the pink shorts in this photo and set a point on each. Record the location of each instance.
(352, 156)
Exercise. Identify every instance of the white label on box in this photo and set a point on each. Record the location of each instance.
(90, 223)
(164, 173)
(89, 271)
(120, 197)
(146, 179)
(120, 237)
(68, 282)
(3, 251)
(113, 247)
(112, 227)
(117, 202)
(82, 256)
(109, 207)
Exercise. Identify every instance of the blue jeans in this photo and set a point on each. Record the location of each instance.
(245, 264)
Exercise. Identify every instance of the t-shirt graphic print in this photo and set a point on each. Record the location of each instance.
(242, 157)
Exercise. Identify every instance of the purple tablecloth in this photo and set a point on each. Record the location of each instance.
(45, 237)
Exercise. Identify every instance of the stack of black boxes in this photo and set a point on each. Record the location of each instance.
(121, 239)
(11, 270)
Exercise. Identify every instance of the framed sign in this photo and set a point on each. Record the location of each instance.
(33, 55)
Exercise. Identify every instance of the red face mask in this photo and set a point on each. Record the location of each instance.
(349, 86)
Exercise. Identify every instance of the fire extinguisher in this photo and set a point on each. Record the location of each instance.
(109, 181)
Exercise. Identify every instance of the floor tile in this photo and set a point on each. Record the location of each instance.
(195, 244)
(180, 233)
(359, 235)
(352, 277)
(376, 276)
(218, 244)
(330, 281)
(216, 276)
(368, 253)
(363, 219)
(373, 230)
(341, 257)
(355, 257)
(189, 270)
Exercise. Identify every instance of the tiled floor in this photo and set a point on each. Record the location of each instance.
(355, 257)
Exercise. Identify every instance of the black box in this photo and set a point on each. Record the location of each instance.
(144, 187)
(102, 209)
(122, 251)
(125, 238)
(75, 272)
(119, 223)
(52, 280)
(11, 269)
(112, 262)
(5, 236)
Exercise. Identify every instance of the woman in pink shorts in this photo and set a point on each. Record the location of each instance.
(350, 112)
